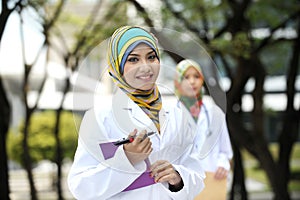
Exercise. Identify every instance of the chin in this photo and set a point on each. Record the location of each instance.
(146, 87)
(191, 95)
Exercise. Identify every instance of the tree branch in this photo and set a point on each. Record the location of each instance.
(57, 13)
(83, 37)
(142, 10)
(280, 25)
(188, 25)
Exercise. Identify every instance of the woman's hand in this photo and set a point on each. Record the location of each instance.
(163, 171)
(139, 149)
(221, 173)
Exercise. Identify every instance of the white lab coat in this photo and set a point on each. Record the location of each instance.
(93, 177)
(220, 153)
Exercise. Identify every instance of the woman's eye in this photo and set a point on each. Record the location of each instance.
(152, 57)
(186, 77)
(132, 59)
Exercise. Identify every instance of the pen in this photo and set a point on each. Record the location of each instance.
(130, 139)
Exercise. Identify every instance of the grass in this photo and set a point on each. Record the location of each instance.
(253, 170)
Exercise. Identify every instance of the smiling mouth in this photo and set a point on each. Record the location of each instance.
(145, 77)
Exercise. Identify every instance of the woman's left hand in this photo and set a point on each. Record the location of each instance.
(163, 171)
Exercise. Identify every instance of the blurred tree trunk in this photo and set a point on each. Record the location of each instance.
(59, 156)
(238, 189)
(59, 151)
(26, 154)
(4, 126)
(261, 145)
(5, 111)
(291, 117)
(238, 137)
(5, 13)
(27, 161)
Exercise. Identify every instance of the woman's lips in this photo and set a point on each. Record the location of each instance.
(145, 77)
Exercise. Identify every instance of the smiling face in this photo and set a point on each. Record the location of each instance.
(141, 68)
(192, 82)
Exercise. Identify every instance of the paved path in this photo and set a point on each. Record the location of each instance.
(43, 178)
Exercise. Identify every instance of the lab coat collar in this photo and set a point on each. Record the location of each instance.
(125, 108)
(141, 116)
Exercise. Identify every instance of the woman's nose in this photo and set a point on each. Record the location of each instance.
(192, 80)
(144, 65)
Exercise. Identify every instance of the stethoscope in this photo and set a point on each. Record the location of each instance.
(208, 131)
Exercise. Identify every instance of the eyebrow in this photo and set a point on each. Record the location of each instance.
(133, 54)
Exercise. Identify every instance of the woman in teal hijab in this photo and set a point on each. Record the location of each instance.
(140, 166)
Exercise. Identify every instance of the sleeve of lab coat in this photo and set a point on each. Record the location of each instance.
(192, 175)
(225, 148)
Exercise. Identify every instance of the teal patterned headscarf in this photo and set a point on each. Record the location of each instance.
(122, 42)
(192, 104)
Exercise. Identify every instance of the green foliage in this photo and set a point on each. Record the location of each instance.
(276, 65)
(237, 46)
(196, 12)
(41, 140)
(239, 39)
(271, 12)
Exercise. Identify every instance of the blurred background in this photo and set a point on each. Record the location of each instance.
(51, 63)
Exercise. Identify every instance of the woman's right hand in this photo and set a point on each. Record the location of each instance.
(221, 173)
(139, 149)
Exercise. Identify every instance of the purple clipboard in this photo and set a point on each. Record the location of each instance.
(109, 149)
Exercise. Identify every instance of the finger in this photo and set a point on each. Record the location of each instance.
(145, 136)
(149, 150)
(162, 174)
(133, 133)
(220, 176)
(159, 178)
(159, 167)
(221, 173)
(147, 144)
(218, 173)
(155, 165)
(130, 135)
(139, 137)
(168, 175)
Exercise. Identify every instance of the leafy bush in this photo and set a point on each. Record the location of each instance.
(41, 140)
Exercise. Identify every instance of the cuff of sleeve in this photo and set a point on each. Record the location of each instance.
(177, 187)
(223, 162)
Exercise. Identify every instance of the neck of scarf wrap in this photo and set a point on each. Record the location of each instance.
(193, 104)
(122, 42)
